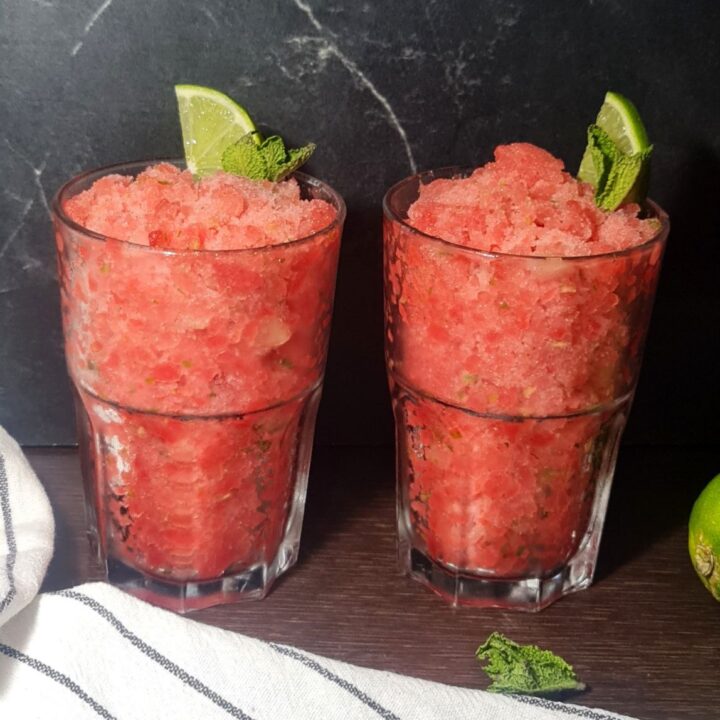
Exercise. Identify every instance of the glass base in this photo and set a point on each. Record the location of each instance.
(501, 511)
(189, 512)
(183, 597)
(474, 590)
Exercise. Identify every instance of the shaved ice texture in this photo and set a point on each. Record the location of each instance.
(525, 204)
(165, 207)
(196, 333)
(515, 322)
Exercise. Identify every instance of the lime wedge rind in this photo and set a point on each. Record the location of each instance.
(632, 136)
(210, 122)
(588, 171)
(616, 158)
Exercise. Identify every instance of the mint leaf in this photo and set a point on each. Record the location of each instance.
(600, 148)
(269, 160)
(295, 159)
(245, 158)
(621, 176)
(525, 669)
(274, 152)
(618, 177)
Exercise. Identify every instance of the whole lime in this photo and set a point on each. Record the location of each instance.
(704, 536)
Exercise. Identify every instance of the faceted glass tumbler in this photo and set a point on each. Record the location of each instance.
(197, 376)
(511, 379)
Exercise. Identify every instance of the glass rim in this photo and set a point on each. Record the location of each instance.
(58, 211)
(461, 172)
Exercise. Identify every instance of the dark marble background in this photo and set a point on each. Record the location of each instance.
(383, 88)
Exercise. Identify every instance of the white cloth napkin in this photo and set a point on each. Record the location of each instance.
(27, 530)
(93, 651)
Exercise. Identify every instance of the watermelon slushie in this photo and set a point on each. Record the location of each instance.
(516, 313)
(196, 316)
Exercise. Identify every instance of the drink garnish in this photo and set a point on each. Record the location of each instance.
(268, 160)
(525, 669)
(616, 159)
(218, 134)
(210, 121)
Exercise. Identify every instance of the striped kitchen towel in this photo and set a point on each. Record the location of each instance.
(95, 652)
(27, 531)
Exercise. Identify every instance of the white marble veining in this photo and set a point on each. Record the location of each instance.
(37, 171)
(466, 64)
(327, 46)
(89, 26)
(209, 15)
(26, 217)
(385, 86)
(10, 239)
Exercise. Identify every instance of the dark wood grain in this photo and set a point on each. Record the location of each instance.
(645, 637)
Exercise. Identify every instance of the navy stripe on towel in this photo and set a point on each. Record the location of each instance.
(58, 677)
(345, 684)
(156, 656)
(9, 534)
(559, 707)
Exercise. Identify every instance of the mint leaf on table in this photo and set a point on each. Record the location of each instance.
(269, 160)
(525, 669)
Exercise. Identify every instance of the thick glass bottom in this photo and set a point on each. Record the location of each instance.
(182, 597)
(525, 594)
(188, 512)
(498, 511)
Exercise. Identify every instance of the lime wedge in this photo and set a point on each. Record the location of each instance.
(619, 118)
(589, 171)
(625, 163)
(210, 122)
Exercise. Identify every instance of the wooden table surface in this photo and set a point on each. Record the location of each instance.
(645, 637)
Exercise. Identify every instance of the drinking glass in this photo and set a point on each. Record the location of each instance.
(197, 376)
(511, 379)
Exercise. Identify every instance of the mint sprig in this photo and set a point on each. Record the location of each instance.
(621, 177)
(525, 669)
(268, 159)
